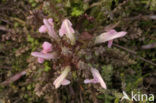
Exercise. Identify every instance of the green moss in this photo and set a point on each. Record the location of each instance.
(76, 12)
(34, 43)
(33, 3)
(47, 67)
(128, 70)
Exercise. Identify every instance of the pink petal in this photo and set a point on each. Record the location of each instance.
(98, 77)
(69, 25)
(50, 20)
(112, 31)
(65, 82)
(47, 47)
(110, 35)
(43, 29)
(50, 28)
(66, 28)
(72, 30)
(40, 60)
(46, 56)
(86, 81)
(62, 31)
(59, 80)
(110, 42)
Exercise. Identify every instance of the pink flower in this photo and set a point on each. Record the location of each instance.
(66, 28)
(40, 60)
(61, 80)
(48, 27)
(109, 36)
(47, 47)
(44, 54)
(96, 78)
(43, 29)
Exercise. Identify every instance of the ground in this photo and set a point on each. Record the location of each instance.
(126, 66)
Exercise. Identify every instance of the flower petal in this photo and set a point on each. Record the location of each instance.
(66, 28)
(50, 28)
(62, 30)
(47, 47)
(47, 56)
(43, 29)
(112, 32)
(40, 60)
(108, 36)
(57, 83)
(110, 42)
(98, 77)
(50, 20)
(65, 82)
(86, 81)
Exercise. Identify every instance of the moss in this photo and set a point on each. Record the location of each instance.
(120, 69)
(47, 67)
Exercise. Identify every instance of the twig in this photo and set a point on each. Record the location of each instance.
(97, 4)
(3, 28)
(150, 62)
(135, 53)
(5, 67)
(140, 16)
(94, 96)
(19, 20)
(120, 5)
(6, 21)
(14, 78)
(18, 100)
(149, 46)
(130, 51)
(152, 17)
(111, 26)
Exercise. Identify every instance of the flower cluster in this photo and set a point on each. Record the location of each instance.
(47, 47)
(44, 54)
(47, 52)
